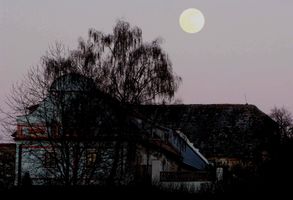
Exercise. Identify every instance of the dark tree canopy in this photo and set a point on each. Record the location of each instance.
(73, 94)
(285, 121)
(122, 65)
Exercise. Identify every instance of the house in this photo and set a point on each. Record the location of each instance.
(227, 134)
(125, 143)
(79, 135)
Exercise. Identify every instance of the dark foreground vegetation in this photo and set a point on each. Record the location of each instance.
(274, 178)
(279, 186)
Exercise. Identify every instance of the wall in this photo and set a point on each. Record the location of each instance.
(7, 165)
(190, 186)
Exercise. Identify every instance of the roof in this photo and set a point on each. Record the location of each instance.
(231, 130)
(73, 82)
(190, 155)
(7, 147)
(174, 142)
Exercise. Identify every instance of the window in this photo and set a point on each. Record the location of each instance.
(36, 130)
(33, 131)
(25, 131)
(50, 160)
(91, 158)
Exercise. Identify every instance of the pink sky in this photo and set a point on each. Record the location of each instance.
(245, 47)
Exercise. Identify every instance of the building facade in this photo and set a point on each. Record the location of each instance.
(78, 135)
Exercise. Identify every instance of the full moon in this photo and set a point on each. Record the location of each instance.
(191, 20)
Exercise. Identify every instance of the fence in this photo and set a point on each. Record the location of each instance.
(186, 176)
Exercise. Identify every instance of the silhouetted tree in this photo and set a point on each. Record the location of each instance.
(285, 121)
(72, 122)
(74, 116)
(122, 65)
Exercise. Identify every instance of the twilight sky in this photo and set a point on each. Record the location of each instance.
(245, 48)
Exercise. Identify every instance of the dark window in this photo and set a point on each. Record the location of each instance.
(91, 158)
(50, 160)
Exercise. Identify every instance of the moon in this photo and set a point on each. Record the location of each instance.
(191, 20)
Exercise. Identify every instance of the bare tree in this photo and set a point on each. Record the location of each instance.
(130, 70)
(65, 126)
(122, 65)
(284, 118)
(77, 102)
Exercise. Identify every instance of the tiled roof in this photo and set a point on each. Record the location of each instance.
(234, 130)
